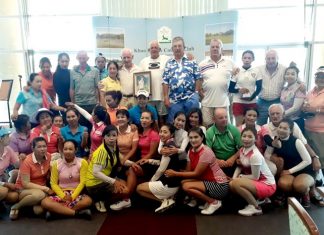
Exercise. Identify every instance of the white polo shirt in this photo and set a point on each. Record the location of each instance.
(127, 79)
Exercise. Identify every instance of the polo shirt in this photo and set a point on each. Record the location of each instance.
(36, 171)
(84, 85)
(224, 144)
(51, 138)
(9, 157)
(47, 85)
(135, 114)
(110, 84)
(127, 79)
(315, 100)
(20, 143)
(145, 140)
(96, 134)
(126, 139)
(68, 135)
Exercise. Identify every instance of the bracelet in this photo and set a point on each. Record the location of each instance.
(315, 156)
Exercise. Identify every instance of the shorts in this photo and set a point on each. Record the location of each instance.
(162, 191)
(216, 190)
(67, 204)
(264, 190)
(100, 192)
(239, 108)
(159, 106)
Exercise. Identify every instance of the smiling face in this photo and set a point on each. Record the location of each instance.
(165, 134)
(271, 59)
(283, 130)
(127, 58)
(122, 119)
(248, 138)
(247, 59)
(154, 50)
(40, 149)
(221, 118)
(45, 119)
(72, 118)
(69, 151)
(290, 76)
(180, 121)
(111, 138)
(111, 102)
(58, 121)
(178, 49)
(276, 115)
(146, 120)
(64, 62)
(195, 139)
(215, 49)
(112, 70)
(194, 120)
(36, 84)
(250, 117)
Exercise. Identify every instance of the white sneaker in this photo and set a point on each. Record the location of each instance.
(121, 205)
(165, 205)
(264, 201)
(211, 208)
(250, 210)
(100, 206)
(192, 203)
(204, 206)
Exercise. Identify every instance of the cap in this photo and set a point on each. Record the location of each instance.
(42, 110)
(320, 72)
(5, 131)
(142, 92)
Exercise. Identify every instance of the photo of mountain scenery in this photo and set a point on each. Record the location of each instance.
(223, 31)
(112, 39)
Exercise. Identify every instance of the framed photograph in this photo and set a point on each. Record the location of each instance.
(142, 81)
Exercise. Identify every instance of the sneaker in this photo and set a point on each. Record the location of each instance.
(121, 205)
(212, 207)
(84, 214)
(100, 206)
(48, 216)
(202, 207)
(192, 203)
(165, 205)
(264, 201)
(305, 201)
(250, 210)
(14, 214)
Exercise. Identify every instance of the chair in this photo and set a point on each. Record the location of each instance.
(300, 223)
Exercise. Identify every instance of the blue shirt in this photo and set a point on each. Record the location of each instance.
(181, 78)
(68, 135)
(135, 114)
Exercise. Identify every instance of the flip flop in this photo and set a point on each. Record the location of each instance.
(14, 214)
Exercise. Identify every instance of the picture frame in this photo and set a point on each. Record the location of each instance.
(142, 81)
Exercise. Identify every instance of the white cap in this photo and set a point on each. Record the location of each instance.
(142, 92)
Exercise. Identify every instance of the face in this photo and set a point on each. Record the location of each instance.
(165, 133)
(283, 130)
(221, 118)
(5, 140)
(250, 117)
(58, 121)
(178, 49)
(122, 120)
(319, 80)
(110, 101)
(276, 115)
(127, 58)
(100, 63)
(194, 120)
(46, 69)
(112, 70)
(146, 120)
(37, 83)
(40, 148)
(291, 76)
(215, 49)
(45, 119)
(154, 50)
(72, 118)
(69, 151)
(195, 139)
(64, 62)
(27, 128)
(247, 59)
(142, 101)
(271, 59)
(248, 139)
(82, 58)
(180, 121)
(111, 138)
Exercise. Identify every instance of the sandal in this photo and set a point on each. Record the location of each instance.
(14, 214)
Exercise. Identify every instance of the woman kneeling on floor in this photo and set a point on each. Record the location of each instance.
(252, 178)
(205, 180)
(67, 181)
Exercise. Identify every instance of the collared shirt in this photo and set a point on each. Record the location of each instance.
(77, 136)
(224, 144)
(84, 85)
(102, 73)
(181, 78)
(51, 137)
(126, 139)
(156, 66)
(110, 84)
(47, 85)
(112, 113)
(20, 143)
(135, 114)
(9, 157)
(146, 139)
(315, 100)
(127, 79)
(96, 134)
(271, 84)
(216, 77)
(261, 132)
(36, 171)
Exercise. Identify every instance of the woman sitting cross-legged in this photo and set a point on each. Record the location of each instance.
(252, 178)
(297, 174)
(101, 180)
(204, 179)
(67, 181)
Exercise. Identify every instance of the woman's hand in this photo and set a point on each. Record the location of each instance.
(137, 169)
(67, 198)
(119, 187)
(10, 186)
(285, 172)
(22, 156)
(14, 116)
(221, 163)
(316, 164)
(243, 90)
(69, 104)
(142, 161)
(170, 173)
(276, 142)
(167, 151)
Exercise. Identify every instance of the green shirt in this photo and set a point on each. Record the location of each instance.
(224, 144)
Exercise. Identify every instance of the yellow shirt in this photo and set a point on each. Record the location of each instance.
(110, 84)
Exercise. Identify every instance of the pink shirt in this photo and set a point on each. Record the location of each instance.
(261, 132)
(9, 157)
(69, 174)
(52, 137)
(315, 100)
(145, 140)
(96, 134)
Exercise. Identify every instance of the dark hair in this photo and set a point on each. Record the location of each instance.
(250, 52)
(178, 114)
(102, 115)
(153, 124)
(293, 66)
(73, 142)
(108, 129)
(43, 61)
(38, 139)
(251, 109)
(116, 95)
(171, 128)
(32, 78)
(60, 56)
(123, 112)
(199, 131)
(57, 115)
(73, 110)
(113, 62)
(252, 129)
(21, 122)
(200, 118)
(100, 55)
(289, 122)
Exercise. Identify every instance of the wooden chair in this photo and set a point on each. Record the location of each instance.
(300, 223)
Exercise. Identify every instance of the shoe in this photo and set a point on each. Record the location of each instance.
(192, 203)
(14, 214)
(305, 201)
(38, 210)
(48, 216)
(84, 214)
(202, 207)
(211, 208)
(316, 198)
(250, 210)
(100, 206)
(165, 205)
(121, 205)
(264, 201)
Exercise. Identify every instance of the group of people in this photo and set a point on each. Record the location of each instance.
(103, 141)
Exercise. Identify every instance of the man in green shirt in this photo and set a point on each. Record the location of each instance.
(225, 141)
